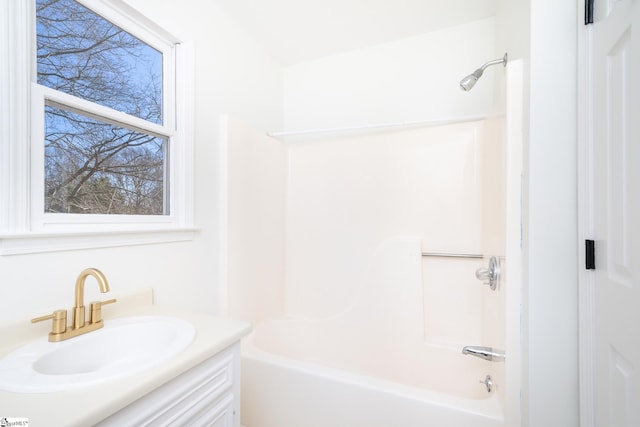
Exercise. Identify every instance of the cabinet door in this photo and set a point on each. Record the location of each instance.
(204, 395)
(220, 415)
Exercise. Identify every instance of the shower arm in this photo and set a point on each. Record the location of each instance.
(502, 61)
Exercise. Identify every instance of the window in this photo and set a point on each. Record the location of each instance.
(102, 141)
(94, 164)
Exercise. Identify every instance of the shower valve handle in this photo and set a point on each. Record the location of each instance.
(483, 274)
(491, 275)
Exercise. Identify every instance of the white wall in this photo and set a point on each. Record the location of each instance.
(512, 28)
(255, 205)
(543, 34)
(550, 224)
(410, 79)
(513, 36)
(232, 75)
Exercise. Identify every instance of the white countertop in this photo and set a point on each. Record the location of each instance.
(87, 406)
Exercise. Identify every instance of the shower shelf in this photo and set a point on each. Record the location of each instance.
(451, 255)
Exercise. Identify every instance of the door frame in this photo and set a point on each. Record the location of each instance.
(586, 278)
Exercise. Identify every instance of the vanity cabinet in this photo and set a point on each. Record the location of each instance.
(206, 395)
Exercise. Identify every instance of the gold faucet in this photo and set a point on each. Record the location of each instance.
(60, 331)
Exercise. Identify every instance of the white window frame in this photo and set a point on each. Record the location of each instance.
(24, 226)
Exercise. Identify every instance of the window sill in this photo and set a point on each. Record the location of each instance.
(19, 244)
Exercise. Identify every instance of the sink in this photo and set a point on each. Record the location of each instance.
(122, 347)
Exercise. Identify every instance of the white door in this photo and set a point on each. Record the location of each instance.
(615, 119)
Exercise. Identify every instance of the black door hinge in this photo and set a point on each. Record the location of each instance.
(589, 254)
(588, 12)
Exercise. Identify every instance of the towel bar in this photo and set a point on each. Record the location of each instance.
(450, 255)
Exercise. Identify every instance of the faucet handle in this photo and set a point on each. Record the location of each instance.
(96, 310)
(59, 318)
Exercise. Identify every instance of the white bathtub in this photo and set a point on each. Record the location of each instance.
(299, 373)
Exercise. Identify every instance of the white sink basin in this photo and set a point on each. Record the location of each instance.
(122, 347)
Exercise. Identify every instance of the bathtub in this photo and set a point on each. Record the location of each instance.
(307, 373)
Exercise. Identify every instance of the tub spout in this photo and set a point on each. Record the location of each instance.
(486, 353)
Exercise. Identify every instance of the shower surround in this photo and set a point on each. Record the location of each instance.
(344, 305)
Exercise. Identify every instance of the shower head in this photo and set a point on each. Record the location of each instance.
(469, 81)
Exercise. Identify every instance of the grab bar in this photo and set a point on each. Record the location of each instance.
(486, 353)
(450, 255)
